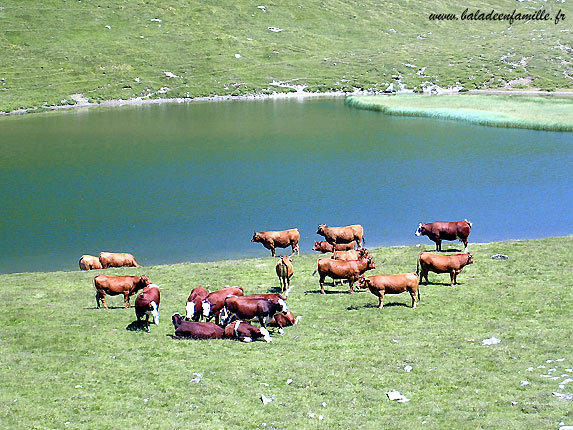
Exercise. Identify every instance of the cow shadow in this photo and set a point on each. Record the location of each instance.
(136, 326)
(327, 292)
(94, 308)
(375, 306)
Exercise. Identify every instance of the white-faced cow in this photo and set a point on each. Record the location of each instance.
(250, 308)
(114, 285)
(391, 284)
(348, 234)
(195, 330)
(438, 231)
(117, 259)
(285, 270)
(437, 263)
(194, 308)
(324, 247)
(336, 269)
(147, 303)
(89, 262)
(246, 332)
(278, 239)
(215, 301)
(283, 320)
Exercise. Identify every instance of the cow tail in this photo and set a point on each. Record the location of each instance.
(418, 292)
(418, 268)
(315, 270)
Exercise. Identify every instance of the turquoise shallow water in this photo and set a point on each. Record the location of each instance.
(191, 182)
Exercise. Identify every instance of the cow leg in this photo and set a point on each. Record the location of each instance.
(351, 282)
(453, 278)
(381, 300)
(465, 242)
(321, 281)
(103, 301)
(147, 322)
(126, 303)
(98, 298)
(438, 245)
(414, 301)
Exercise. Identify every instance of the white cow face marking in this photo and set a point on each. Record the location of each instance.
(419, 230)
(190, 308)
(266, 335)
(283, 306)
(155, 313)
(206, 308)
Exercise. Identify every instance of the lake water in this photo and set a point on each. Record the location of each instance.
(191, 182)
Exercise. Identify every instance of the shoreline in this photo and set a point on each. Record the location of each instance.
(82, 102)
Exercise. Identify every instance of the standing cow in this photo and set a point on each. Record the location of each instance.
(437, 263)
(391, 284)
(336, 269)
(249, 308)
(147, 303)
(117, 259)
(285, 270)
(438, 231)
(193, 307)
(337, 235)
(214, 302)
(89, 262)
(278, 239)
(114, 285)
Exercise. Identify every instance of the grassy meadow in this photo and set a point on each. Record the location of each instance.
(66, 364)
(539, 113)
(54, 52)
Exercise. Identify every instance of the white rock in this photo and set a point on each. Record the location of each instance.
(324, 404)
(264, 9)
(171, 75)
(491, 341)
(237, 55)
(396, 395)
(408, 368)
(289, 381)
(524, 383)
(266, 400)
(155, 20)
(108, 27)
(563, 396)
(566, 428)
(275, 29)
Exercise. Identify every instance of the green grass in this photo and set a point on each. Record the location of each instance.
(65, 364)
(53, 49)
(494, 110)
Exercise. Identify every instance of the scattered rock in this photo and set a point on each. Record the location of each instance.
(408, 368)
(237, 55)
(524, 383)
(563, 396)
(500, 257)
(108, 27)
(266, 400)
(275, 29)
(289, 381)
(491, 341)
(171, 75)
(396, 395)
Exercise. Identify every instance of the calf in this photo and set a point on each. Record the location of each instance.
(249, 308)
(348, 234)
(391, 284)
(147, 303)
(193, 307)
(89, 262)
(324, 247)
(278, 239)
(114, 285)
(285, 270)
(283, 320)
(117, 259)
(246, 332)
(195, 330)
(215, 301)
(438, 231)
(350, 270)
(452, 264)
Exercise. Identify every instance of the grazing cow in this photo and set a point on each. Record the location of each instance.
(249, 308)
(246, 332)
(215, 301)
(452, 264)
(391, 284)
(89, 262)
(336, 235)
(350, 270)
(195, 330)
(278, 239)
(283, 320)
(324, 247)
(350, 255)
(114, 285)
(284, 271)
(147, 303)
(193, 307)
(438, 231)
(117, 259)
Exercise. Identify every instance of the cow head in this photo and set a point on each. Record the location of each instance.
(142, 283)
(256, 237)
(283, 305)
(370, 263)
(190, 310)
(206, 306)
(470, 259)
(176, 319)
(321, 229)
(363, 253)
(421, 229)
(316, 246)
(362, 282)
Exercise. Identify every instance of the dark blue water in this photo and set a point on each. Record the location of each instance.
(191, 182)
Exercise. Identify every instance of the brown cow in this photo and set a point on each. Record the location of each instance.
(350, 270)
(285, 270)
(89, 262)
(195, 330)
(452, 264)
(147, 303)
(248, 308)
(215, 301)
(114, 285)
(193, 307)
(246, 332)
(350, 255)
(117, 259)
(349, 234)
(324, 247)
(283, 320)
(438, 231)
(391, 284)
(278, 239)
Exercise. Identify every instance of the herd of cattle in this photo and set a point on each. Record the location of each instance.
(233, 311)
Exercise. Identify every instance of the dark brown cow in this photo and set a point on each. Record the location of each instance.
(437, 263)
(324, 247)
(285, 270)
(278, 239)
(117, 259)
(114, 285)
(89, 262)
(350, 270)
(215, 301)
(147, 303)
(195, 330)
(348, 234)
(249, 308)
(283, 320)
(350, 255)
(194, 308)
(438, 231)
(391, 284)
(246, 332)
